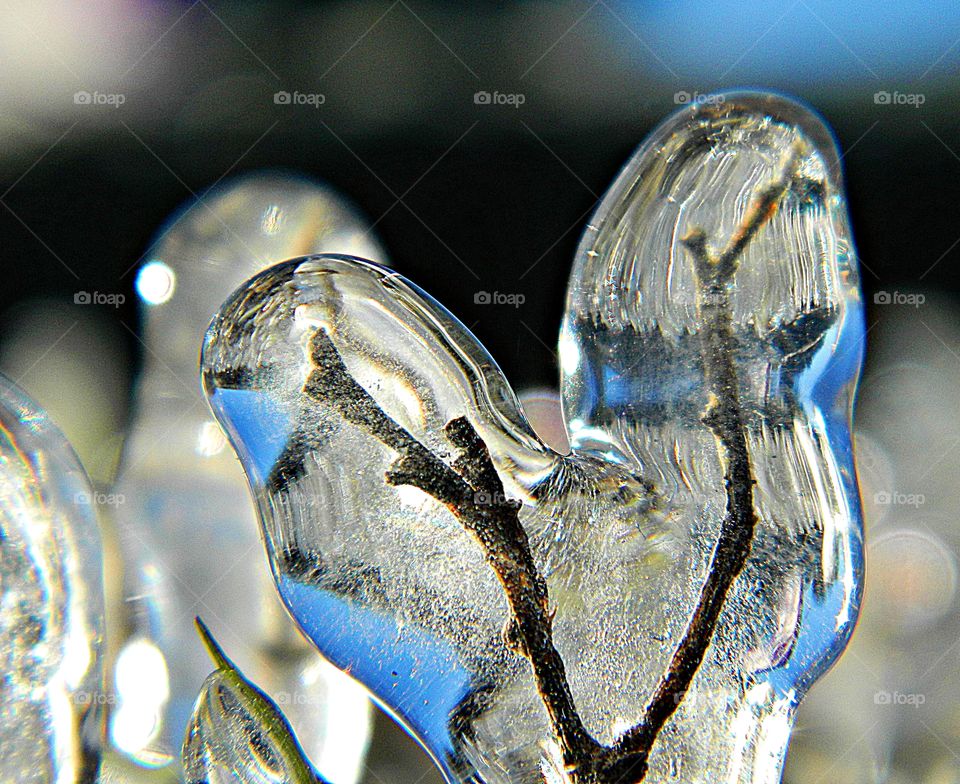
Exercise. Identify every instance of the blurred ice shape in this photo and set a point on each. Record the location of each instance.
(51, 603)
(189, 532)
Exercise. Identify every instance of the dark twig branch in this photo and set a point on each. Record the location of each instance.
(724, 416)
(472, 490)
(468, 486)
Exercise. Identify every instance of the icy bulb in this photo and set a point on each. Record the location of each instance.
(186, 518)
(51, 603)
(651, 606)
(237, 735)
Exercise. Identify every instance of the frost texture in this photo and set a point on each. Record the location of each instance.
(51, 603)
(391, 586)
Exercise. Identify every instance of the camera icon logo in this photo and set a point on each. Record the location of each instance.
(882, 98)
(82, 298)
(882, 698)
(282, 97)
(82, 98)
(483, 498)
(482, 298)
(681, 97)
(882, 298)
(883, 498)
(482, 98)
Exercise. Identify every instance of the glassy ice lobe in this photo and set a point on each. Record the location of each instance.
(189, 534)
(345, 391)
(51, 603)
(633, 361)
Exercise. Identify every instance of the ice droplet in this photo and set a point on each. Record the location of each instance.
(51, 603)
(710, 351)
(187, 522)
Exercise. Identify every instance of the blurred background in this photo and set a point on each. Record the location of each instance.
(477, 140)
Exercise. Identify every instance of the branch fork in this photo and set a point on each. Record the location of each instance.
(472, 490)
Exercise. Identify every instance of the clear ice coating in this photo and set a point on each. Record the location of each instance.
(237, 735)
(710, 352)
(51, 603)
(188, 529)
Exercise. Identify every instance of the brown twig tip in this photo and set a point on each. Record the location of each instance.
(762, 209)
(721, 266)
(695, 240)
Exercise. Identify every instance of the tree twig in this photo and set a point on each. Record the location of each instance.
(472, 490)
(724, 416)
